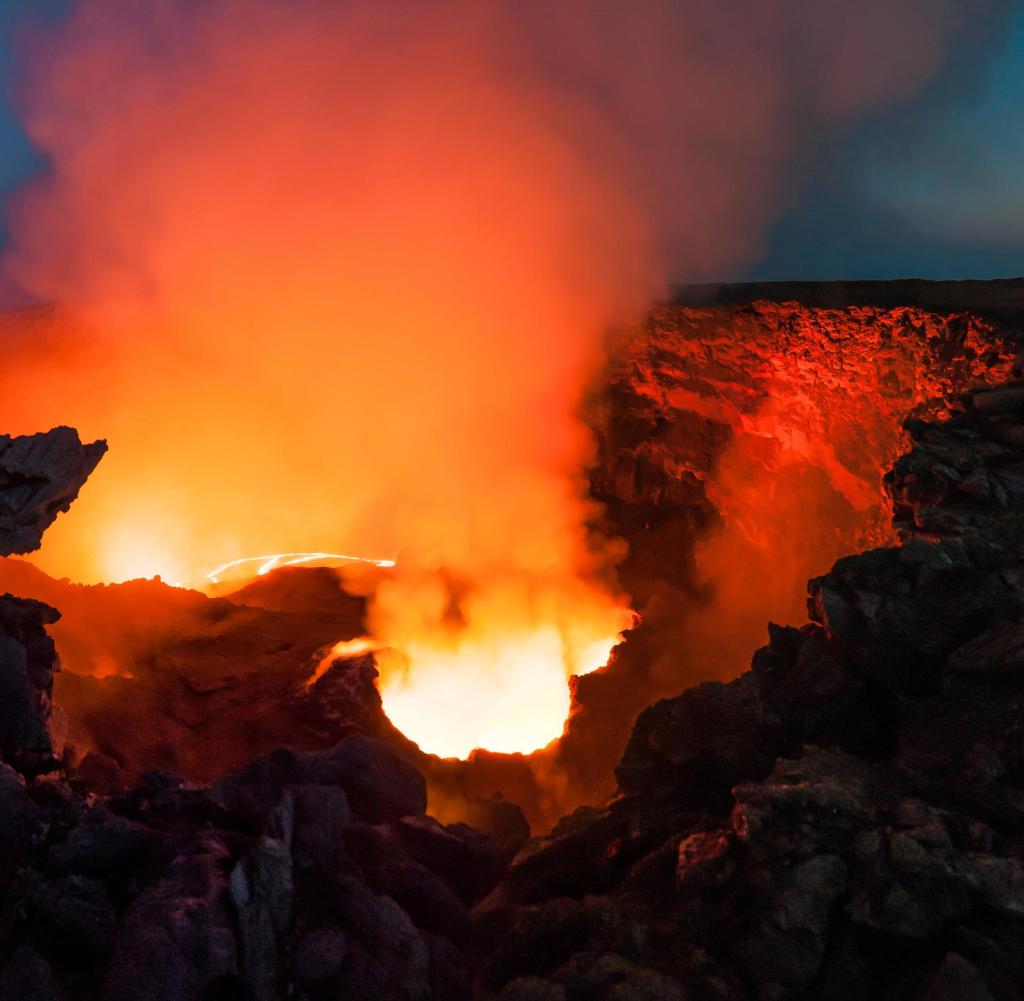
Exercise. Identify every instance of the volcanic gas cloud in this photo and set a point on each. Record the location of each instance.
(336, 277)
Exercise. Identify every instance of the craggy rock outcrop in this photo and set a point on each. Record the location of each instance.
(217, 680)
(964, 474)
(40, 476)
(221, 680)
(742, 435)
(30, 734)
(770, 385)
(843, 821)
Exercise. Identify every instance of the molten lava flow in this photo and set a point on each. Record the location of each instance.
(525, 710)
(491, 671)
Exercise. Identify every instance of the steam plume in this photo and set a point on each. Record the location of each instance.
(335, 275)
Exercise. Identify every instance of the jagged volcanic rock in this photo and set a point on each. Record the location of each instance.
(216, 680)
(309, 874)
(962, 473)
(825, 387)
(29, 739)
(40, 476)
(743, 432)
(845, 820)
(312, 875)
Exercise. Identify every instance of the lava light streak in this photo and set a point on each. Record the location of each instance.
(342, 650)
(274, 560)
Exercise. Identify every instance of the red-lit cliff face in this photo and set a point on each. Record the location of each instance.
(740, 453)
(770, 424)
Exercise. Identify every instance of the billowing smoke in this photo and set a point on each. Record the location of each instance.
(335, 276)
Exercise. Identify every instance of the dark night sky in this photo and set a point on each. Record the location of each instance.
(932, 189)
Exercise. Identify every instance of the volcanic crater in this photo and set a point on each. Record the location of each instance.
(222, 749)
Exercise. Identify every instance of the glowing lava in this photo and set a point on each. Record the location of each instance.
(457, 690)
(509, 694)
(488, 668)
(264, 564)
(341, 651)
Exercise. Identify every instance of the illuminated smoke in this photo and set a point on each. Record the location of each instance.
(335, 276)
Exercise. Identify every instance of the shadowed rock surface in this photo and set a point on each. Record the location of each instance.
(310, 875)
(843, 821)
(31, 737)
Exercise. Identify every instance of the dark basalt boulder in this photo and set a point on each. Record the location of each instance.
(30, 737)
(378, 783)
(27, 976)
(304, 875)
(175, 939)
(701, 743)
(845, 820)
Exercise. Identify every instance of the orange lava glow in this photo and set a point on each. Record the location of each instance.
(341, 292)
(341, 651)
(515, 682)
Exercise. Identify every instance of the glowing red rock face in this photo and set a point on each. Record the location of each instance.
(770, 425)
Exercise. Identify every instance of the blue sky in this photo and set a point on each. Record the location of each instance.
(932, 189)
(17, 160)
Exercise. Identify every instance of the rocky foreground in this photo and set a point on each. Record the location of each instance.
(843, 821)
